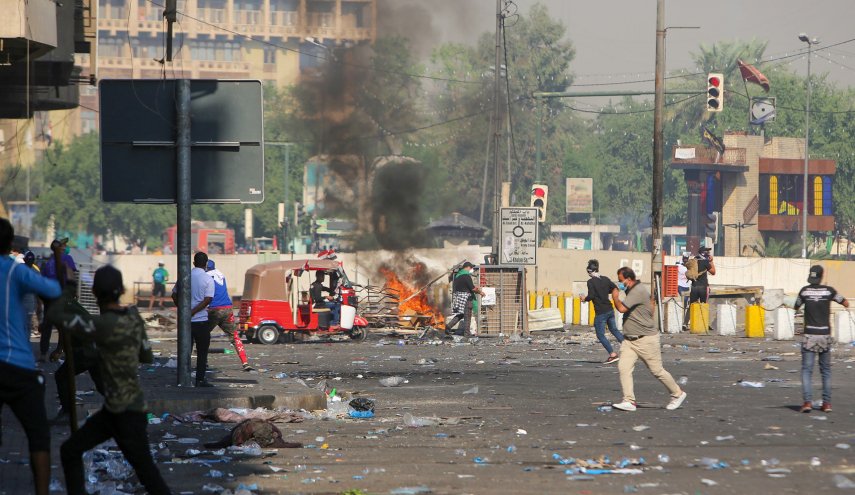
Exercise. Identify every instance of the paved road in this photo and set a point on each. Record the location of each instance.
(535, 401)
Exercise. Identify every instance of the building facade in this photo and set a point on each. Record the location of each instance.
(755, 189)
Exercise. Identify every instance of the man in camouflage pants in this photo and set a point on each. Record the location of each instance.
(221, 314)
(120, 337)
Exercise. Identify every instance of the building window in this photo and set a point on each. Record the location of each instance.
(817, 196)
(827, 205)
(87, 121)
(773, 194)
(269, 55)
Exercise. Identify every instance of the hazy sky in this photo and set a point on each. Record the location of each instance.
(615, 39)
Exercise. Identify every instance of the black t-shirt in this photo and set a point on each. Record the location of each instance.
(463, 283)
(599, 289)
(817, 302)
(703, 267)
(316, 291)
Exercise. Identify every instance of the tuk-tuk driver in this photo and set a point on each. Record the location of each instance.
(319, 300)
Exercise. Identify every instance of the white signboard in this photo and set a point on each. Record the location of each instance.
(489, 297)
(518, 236)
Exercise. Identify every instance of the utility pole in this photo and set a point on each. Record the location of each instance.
(658, 142)
(497, 135)
(185, 199)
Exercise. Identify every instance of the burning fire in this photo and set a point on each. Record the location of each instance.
(417, 305)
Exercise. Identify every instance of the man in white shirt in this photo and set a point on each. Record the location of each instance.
(201, 295)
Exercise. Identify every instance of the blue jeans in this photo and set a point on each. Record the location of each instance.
(600, 322)
(335, 312)
(808, 358)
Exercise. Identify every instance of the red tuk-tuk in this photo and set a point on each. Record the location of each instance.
(273, 290)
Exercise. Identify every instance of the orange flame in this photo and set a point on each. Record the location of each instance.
(418, 304)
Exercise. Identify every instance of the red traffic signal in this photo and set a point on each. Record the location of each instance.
(539, 195)
(715, 92)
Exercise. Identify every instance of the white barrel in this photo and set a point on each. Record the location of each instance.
(843, 328)
(725, 323)
(348, 314)
(784, 324)
(673, 316)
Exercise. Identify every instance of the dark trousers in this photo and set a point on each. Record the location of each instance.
(200, 334)
(129, 431)
(83, 361)
(465, 319)
(699, 293)
(45, 329)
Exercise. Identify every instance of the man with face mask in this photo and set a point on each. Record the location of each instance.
(60, 267)
(641, 341)
(599, 289)
(463, 292)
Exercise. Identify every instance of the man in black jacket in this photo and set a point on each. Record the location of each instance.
(599, 289)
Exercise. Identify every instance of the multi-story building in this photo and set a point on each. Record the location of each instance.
(755, 191)
(271, 40)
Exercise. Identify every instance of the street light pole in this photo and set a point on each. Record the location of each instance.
(658, 142)
(810, 42)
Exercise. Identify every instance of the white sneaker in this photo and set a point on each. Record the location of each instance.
(676, 402)
(625, 406)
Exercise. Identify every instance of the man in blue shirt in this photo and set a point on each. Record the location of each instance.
(221, 312)
(22, 386)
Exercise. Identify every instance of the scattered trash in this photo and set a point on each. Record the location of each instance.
(815, 462)
(520, 431)
(664, 458)
(362, 404)
(724, 438)
(772, 358)
(683, 380)
(769, 367)
(640, 427)
(708, 482)
(712, 463)
(480, 460)
(212, 488)
(604, 409)
(748, 384)
(392, 381)
(251, 435)
(512, 448)
(473, 390)
(214, 474)
(843, 446)
(188, 440)
(410, 490)
(416, 422)
(843, 482)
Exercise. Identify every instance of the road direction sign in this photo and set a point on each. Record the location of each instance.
(518, 236)
(138, 132)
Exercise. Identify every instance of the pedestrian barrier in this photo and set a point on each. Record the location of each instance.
(699, 318)
(673, 316)
(844, 330)
(783, 325)
(725, 319)
(754, 321)
(670, 287)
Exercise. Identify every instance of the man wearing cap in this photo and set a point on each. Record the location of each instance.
(701, 286)
(221, 312)
(60, 267)
(159, 277)
(817, 340)
(599, 289)
(463, 292)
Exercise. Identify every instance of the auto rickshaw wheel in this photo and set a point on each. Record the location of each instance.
(267, 335)
(358, 334)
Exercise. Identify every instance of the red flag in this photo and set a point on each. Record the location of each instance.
(751, 74)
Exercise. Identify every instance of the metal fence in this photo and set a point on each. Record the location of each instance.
(85, 276)
(508, 316)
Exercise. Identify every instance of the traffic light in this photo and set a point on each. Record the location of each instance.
(711, 226)
(715, 92)
(539, 196)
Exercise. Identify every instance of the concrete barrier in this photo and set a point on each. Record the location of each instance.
(783, 324)
(844, 330)
(725, 322)
(673, 316)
